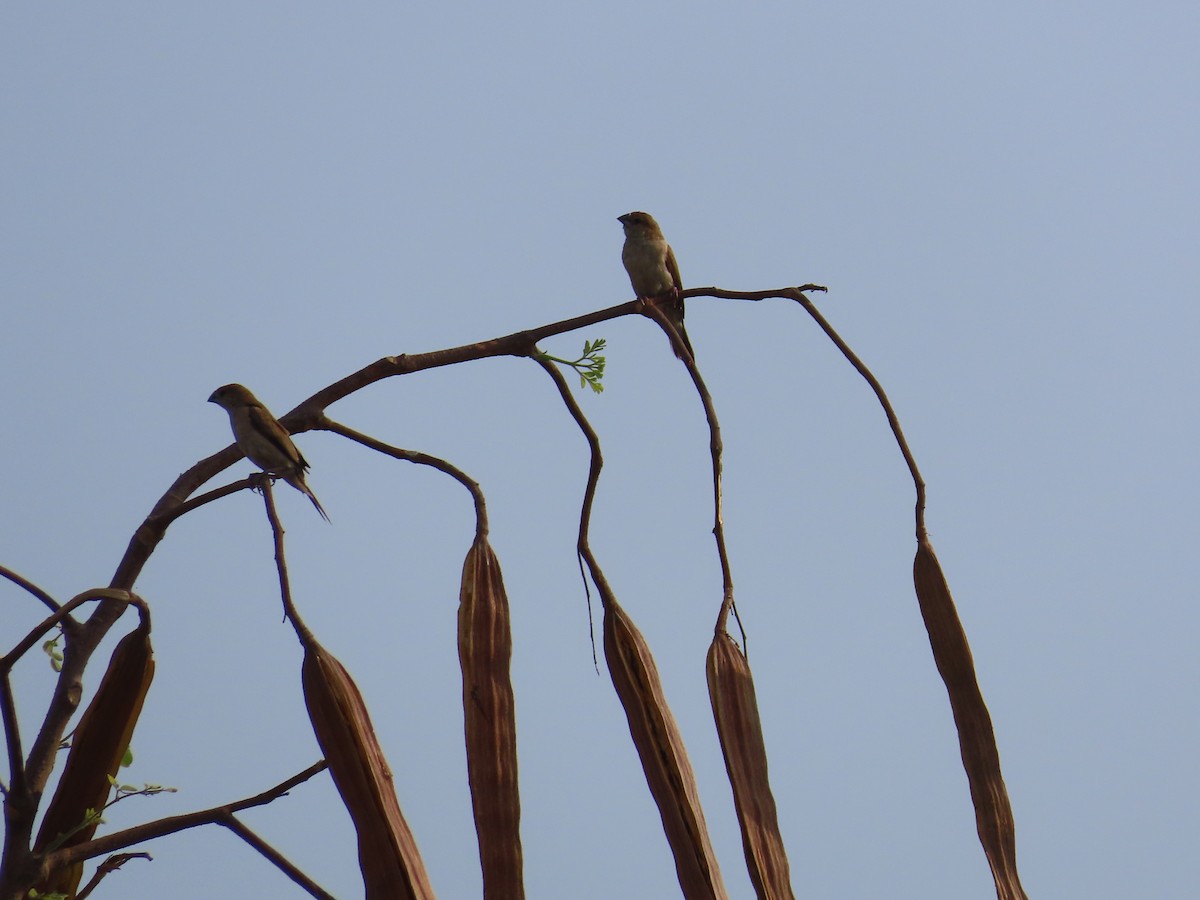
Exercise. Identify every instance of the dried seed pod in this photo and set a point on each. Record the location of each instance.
(489, 719)
(664, 757)
(977, 742)
(387, 853)
(735, 709)
(97, 748)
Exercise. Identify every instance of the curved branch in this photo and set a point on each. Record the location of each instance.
(420, 459)
(583, 549)
(309, 413)
(63, 615)
(797, 294)
(170, 515)
(22, 581)
(110, 865)
(716, 449)
(893, 421)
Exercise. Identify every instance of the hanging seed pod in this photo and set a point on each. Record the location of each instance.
(977, 742)
(387, 853)
(663, 755)
(489, 720)
(97, 748)
(735, 708)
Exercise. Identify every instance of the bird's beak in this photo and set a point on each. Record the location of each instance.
(212, 398)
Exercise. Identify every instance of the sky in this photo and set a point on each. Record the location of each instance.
(1002, 202)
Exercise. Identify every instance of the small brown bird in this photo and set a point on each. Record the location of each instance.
(265, 442)
(652, 268)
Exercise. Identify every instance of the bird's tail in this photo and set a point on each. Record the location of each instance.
(674, 312)
(298, 482)
(683, 334)
(317, 504)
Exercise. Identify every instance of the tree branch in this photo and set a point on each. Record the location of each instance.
(119, 840)
(716, 448)
(112, 864)
(420, 459)
(21, 581)
(280, 861)
(583, 550)
(893, 420)
(285, 587)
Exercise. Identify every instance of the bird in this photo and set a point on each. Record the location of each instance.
(265, 442)
(652, 268)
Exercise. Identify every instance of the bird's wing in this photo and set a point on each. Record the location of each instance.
(673, 268)
(275, 434)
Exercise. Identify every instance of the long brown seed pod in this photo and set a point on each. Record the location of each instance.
(489, 720)
(99, 745)
(976, 741)
(391, 864)
(735, 709)
(663, 754)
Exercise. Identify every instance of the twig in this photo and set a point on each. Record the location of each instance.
(797, 294)
(893, 421)
(281, 862)
(119, 840)
(420, 459)
(788, 293)
(170, 515)
(112, 864)
(716, 448)
(63, 613)
(583, 550)
(285, 587)
(24, 582)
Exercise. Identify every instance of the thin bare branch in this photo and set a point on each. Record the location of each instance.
(110, 865)
(285, 587)
(797, 294)
(716, 448)
(893, 421)
(420, 459)
(278, 859)
(22, 581)
(170, 515)
(582, 549)
(787, 293)
(62, 615)
(119, 840)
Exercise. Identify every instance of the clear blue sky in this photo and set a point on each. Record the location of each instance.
(1003, 204)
